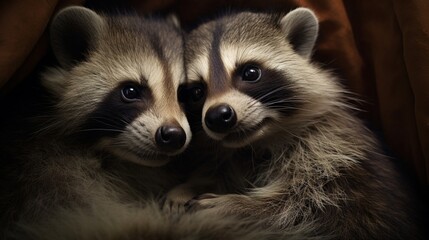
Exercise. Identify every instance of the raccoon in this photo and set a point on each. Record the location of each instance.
(116, 120)
(293, 155)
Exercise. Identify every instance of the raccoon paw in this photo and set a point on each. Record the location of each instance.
(203, 201)
(175, 201)
(228, 204)
(173, 208)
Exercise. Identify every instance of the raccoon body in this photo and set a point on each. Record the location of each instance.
(116, 121)
(293, 154)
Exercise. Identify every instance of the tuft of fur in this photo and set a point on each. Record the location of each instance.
(296, 158)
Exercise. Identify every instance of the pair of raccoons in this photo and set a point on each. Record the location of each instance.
(276, 151)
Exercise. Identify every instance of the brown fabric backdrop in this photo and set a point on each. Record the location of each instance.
(380, 49)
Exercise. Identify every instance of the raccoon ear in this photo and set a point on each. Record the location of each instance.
(73, 32)
(301, 28)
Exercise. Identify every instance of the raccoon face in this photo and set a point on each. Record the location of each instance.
(118, 82)
(256, 75)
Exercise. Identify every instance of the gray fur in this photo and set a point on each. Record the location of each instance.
(325, 175)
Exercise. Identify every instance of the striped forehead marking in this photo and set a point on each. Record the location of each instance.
(218, 76)
(167, 81)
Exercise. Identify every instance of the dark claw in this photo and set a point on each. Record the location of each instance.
(162, 202)
(188, 205)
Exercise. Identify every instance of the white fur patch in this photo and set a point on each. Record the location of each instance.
(199, 68)
(271, 57)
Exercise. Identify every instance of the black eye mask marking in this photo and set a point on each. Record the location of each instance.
(114, 113)
(271, 89)
(193, 96)
(217, 73)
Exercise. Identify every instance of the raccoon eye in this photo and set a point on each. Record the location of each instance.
(196, 93)
(130, 94)
(191, 94)
(251, 73)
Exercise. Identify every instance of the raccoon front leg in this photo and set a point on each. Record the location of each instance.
(201, 181)
(233, 204)
(177, 197)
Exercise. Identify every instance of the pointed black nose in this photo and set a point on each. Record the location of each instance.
(170, 138)
(220, 118)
